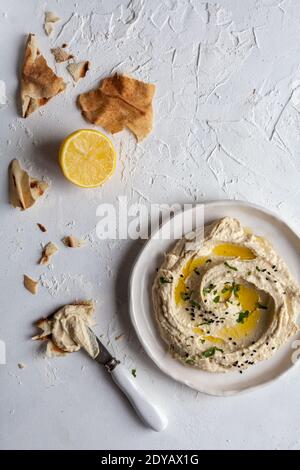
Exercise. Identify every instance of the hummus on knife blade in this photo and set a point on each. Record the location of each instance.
(227, 302)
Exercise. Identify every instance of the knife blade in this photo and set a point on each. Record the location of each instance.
(100, 353)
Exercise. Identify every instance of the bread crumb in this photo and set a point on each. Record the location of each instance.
(41, 227)
(73, 242)
(49, 250)
(50, 19)
(60, 55)
(21, 365)
(30, 284)
(78, 70)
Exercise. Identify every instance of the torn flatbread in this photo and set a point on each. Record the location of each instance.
(120, 102)
(49, 250)
(78, 70)
(50, 19)
(61, 55)
(30, 284)
(38, 82)
(73, 242)
(24, 190)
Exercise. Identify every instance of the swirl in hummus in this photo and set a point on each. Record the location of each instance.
(226, 303)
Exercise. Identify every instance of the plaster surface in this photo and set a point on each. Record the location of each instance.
(227, 121)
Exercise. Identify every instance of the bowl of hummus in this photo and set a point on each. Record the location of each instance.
(225, 301)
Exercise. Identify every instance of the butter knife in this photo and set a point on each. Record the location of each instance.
(145, 409)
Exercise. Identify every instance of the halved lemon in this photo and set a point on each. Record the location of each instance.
(87, 158)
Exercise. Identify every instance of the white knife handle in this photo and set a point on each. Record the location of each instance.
(146, 410)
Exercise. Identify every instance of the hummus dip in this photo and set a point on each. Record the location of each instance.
(67, 330)
(227, 301)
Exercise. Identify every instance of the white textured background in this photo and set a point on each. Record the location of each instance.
(227, 118)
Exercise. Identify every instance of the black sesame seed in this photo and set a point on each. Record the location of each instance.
(240, 371)
(273, 347)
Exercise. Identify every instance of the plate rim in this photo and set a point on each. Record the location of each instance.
(217, 202)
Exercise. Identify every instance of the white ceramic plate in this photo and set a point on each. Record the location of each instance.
(262, 222)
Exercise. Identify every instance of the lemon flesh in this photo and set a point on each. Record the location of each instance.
(87, 158)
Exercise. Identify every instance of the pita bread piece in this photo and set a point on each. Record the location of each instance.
(24, 190)
(78, 70)
(61, 55)
(38, 82)
(50, 19)
(120, 102)
(30, 284)
(135, 92)
(49, 250)
(73, 242)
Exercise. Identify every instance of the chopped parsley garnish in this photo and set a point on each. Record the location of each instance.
(165, 280)
(190, 360)
(216, 299)
(225, 289)
(261, 306)
(242, 316)
(133, 371)
(232, 288)
(235, 289)
(195, 303)
(196, 270)
(229, 266)
(208, 289)
(208, 322)
(260, 270)
(211, 351)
